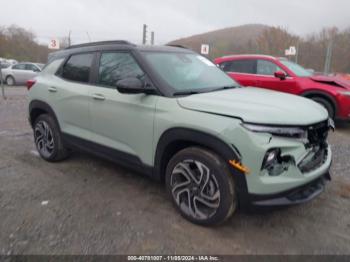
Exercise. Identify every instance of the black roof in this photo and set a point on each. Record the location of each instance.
(115, 45)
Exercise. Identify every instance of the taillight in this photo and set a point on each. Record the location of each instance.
(30, 83)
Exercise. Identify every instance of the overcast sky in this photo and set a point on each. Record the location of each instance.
(170, 19)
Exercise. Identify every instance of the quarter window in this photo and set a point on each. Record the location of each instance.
(78, 68)
(115, 66)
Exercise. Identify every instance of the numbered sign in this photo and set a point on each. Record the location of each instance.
(205, 49)
(291, 51)
(54, 44)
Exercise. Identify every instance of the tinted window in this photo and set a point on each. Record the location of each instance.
(240, 66)
(19, 66)
(116, 66)
(77, 68)
(265, 67)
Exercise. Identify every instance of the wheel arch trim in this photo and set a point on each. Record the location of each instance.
(209, 141)
(41, 105)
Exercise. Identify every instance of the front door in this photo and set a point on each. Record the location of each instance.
(123, 122)
(265, 77)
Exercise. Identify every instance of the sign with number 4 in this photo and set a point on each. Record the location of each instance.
(54, 44)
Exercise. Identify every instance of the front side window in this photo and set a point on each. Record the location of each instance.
(187, 71)
(268, 68)
(78, 67)
(247, 66)
(31, 67)
(115, 66)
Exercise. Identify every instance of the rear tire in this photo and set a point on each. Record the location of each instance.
(201, 186)
(47, 139)
(327, 105)
(10, 81)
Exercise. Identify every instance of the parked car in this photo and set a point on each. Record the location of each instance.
(20, 73)
(282, 75)
(4, 65)
(173, 115)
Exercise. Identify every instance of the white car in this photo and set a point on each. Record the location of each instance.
(20, 73)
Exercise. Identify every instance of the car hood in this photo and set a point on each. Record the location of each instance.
(331, 80)
(256, 105)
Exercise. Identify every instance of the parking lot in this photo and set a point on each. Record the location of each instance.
(86, 205)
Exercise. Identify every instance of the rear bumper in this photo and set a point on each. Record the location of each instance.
(293, 196)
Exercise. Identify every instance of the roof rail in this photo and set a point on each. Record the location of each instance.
(179, 46)
(112, 42)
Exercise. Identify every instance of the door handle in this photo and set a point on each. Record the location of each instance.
(98, 97)
(52, 89)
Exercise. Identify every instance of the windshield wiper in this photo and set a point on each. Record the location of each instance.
(185, 93)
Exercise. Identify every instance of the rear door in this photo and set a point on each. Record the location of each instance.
(69, 95)
(265, 77)
(123, 122)
(243, 71)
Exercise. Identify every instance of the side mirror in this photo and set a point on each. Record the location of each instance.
(281, 75)
(133, 85)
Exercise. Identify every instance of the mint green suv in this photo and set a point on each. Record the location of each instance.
(173, 115)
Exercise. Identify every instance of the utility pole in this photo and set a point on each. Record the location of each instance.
(69, 41)
(329, 54)
(297, 54)
(152, 38)
(2, 84)
(144, 34)
(88, 35)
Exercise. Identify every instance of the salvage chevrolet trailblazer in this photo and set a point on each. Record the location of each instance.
(173, 115)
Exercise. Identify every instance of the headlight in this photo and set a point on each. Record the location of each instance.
(345, 93)
(291, 132)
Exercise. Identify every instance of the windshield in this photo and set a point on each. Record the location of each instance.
(187, 72)
(296, 69)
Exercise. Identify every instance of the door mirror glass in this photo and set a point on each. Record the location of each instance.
(131, 85)
(281, 75)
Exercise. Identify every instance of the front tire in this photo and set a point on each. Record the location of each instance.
(201, 186)
(47, 138)
(327, 105)
(10, 81)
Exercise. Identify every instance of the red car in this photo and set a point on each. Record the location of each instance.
(282, 75)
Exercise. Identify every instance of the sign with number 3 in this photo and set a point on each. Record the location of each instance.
(54, 44)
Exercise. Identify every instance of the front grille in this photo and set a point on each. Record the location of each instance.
(318, 133)
(317, 146)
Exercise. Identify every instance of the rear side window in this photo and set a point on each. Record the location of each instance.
(240, 66)
(19, 67)
(78, 68)
(116, 66)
